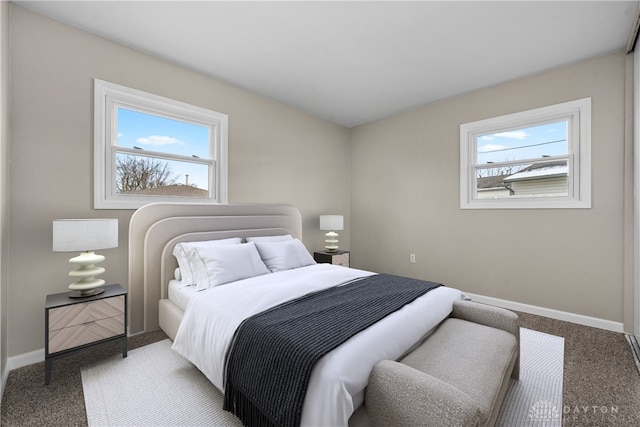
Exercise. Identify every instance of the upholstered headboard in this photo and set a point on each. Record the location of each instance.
(156, 228)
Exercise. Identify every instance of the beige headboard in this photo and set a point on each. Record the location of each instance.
(156, 228)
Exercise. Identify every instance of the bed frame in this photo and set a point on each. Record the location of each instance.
(156, 228)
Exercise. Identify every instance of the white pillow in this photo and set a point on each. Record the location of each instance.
(227, 263)
(285, 255)
(281, 238)
(182, 253)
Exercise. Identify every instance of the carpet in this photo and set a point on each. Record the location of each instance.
(154, 386)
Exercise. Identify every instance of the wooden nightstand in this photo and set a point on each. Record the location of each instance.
(76, 324)
(337, 257)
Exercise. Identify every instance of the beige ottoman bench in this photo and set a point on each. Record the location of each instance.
(457, 377)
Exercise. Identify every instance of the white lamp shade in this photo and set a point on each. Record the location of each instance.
(81, 235)
(331, 222)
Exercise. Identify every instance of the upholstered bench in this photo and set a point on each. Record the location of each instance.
(457, 377)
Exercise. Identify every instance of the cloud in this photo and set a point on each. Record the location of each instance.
(120, 134)
(516, 134)
(491, 147)
(487, 138)
(159, 140)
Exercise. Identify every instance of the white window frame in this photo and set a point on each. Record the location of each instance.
(578, 113)
(107, 98)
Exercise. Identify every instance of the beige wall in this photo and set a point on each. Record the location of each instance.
(398, 180)
(4, 143)
(276, 155)
(405, 199)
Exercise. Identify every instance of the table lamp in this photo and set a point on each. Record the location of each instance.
(85, 236)
(331, 223)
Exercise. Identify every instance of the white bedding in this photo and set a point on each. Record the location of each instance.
(337, 383)
(180, 294)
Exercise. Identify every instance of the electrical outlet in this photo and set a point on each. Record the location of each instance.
(412, 258)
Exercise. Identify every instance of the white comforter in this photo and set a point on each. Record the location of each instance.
(336, 387)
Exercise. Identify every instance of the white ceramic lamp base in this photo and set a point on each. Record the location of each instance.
(86, 285)
(331, 241)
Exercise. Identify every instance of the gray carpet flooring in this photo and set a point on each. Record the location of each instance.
(601, 380)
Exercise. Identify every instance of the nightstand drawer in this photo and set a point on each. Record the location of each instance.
(78, 314)
(86, 333)
(341, 259)
(335, 258)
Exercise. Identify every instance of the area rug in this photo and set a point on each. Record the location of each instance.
(154, 386)
(536, 399)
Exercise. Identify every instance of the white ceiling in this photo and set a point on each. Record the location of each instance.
(353, 62)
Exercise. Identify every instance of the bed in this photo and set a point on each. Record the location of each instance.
(192, 317)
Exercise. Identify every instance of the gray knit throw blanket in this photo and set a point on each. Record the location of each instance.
(273, 352)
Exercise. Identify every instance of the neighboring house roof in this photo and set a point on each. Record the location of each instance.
(489, 182)
(540, 170)
(534, 171)
(173, 190)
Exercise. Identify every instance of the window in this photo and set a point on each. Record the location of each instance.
(534, 159)
(153, 149)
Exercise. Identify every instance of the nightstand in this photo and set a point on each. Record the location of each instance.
(73, 325)
(335, 257)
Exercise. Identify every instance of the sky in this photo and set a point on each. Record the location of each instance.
(526, 143)
(154, 133)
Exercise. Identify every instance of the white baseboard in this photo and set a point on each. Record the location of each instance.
(5, 376)
(25, 359)
(35, 356)
(551, 313)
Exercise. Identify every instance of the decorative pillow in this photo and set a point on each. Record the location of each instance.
(285, 255)
(281, 238)
(227, 263)
(182, 253)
